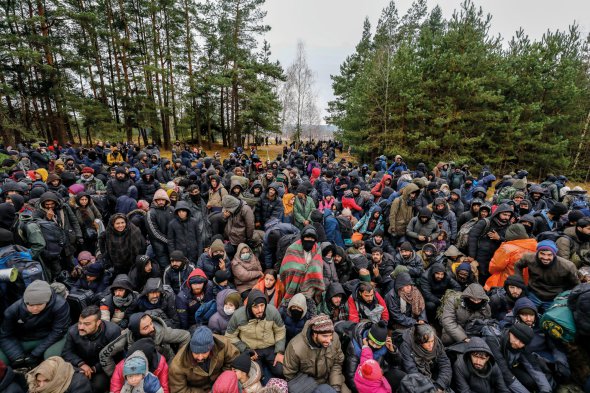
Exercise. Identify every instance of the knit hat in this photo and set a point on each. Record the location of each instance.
(464, 266)
(233, 298)
(142, 204)
(230, 203)
(94, 269)
(217, 245)
(202, 340)
(371, 371)
(301, 189)
(431, 186)
(86, 256)
(406, 246)
(321, 324)
(523, 332)
(177, 255)
(242, 362)
(402, 280)
(135, 365)
(38, 292)
(575, 215)
(278, 385)
(547, 245)
(378, 333)
(88, 169)
(559, 209)
(221, 276)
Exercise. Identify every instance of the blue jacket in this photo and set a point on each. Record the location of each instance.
(332, 229)
(362, 225)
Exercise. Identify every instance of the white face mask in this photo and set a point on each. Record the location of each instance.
(228, 309)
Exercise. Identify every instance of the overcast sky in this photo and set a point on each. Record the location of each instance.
(330, 29)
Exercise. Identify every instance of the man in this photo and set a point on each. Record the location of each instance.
(422, 229)
(434, 283)
(274, 231)
(549, 219)
(118, 186)
(427, 196)
(382, 266)
(302, 208)
(316, 352)
(178, 271)
(198, 364)
(34, 327)
(239, 218)
(164, 173)
(258, 327)
(120, 303)
(469, 214)
(365, 303)
(302, 267)
(445, 217)
(575, 246)
(460, 309)
(409, 258)
(405, 303)
(504, 298)
(402, 212)
(92, 185)
(159, 301)
(196, 292)
(334, 303)
(147, 185)
(143, 325)
(477, 371)
(269, 206)
(84, 342)
(157, 221)
(377, 240)
(549, 275)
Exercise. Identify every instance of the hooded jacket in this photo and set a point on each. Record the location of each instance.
(432, 290)
(332, 229)
(267, 208)
(218, 322)
(377, 190)
(358, 309)
(64, 217)
(176, 278)
(184, 235)
(147, 187)
(164, 308)
(161, 373)
(339, 313)
(469, 379)
(138, 276)
(481, 247)
(402, 211)
(294, 326)
(417, 228)
(246, 273)
(239, 227)
(187, 303)
(456, 314)
(117, 188)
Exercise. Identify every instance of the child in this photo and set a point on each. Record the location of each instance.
(248, 373)
(84, 258)
(137, 377)
(441, 243)
(368, 377)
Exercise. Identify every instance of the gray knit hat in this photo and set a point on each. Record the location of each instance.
(38, 292)
(202, 340)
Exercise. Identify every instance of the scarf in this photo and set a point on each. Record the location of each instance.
(414, 299)
(288, 208)
(57, 371)
(121, 302)
(424, 359)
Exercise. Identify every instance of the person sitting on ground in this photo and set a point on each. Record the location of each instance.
(462, 308)
(55, 375)
(477, 371)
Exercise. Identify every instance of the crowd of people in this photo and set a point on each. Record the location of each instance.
(124, 271)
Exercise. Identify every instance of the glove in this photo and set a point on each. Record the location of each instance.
(19, 363)
(32, 361)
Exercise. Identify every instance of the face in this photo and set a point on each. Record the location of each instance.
(545, 257)
(505, 216)
(406, 289)
(479, 360)
(49, 205)
(463, 275)
(182, 214)
(484, 213)
(584, 230)
(429, 345)
(197, 288)
(153, 297)
(323, 339)
(160, 202)
(439, 276)
(176, 264)
(440, 207)
(258, 310)
(475, 208)
(377, 256)
(337, 300)
(269, 281)
(146, 326)
(201, 357)
(271, 192)
(88, 325)
(368, 296)
(528, 319)
(134, 379)
(517, 199)
(405, 253)
(84, 201)
(41, 381)
(120, 176)
(515, 343)
(36, 308)
(119, 225)
(514, 291)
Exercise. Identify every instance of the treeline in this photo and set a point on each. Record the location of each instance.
(430, 88)
(153, 69)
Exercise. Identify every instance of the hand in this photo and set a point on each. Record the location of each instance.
(19, 363)
(50, 214)
(421, 322)
(421, 238)
(278, 359)
(493, 235)
(253, 355)
(306, 222)
(365, 342)
(389, 345)
(86, 370)
(222, 264)
(376, 271)
(32, 361)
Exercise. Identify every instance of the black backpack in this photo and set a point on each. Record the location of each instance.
(579, 302)
(54, 235)
(345, 227)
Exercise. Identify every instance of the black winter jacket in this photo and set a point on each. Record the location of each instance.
(185, 235)
(8, 383)
(467, 379)
(117, 188)
(481, 247)
(80, 350)
(433, 290)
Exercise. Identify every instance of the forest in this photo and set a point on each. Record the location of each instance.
(431, 88)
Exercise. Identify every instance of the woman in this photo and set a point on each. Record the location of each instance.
(121, 243)
(327, 202)
(87, 215)
(216, 193)
(246, 268)
(55, 375)
(423, 353)
(371, 222)
(288, 203)
(272, 287)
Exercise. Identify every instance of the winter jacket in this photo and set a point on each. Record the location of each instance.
(186, 376)
(164, 308)
(119, 315)
(362, 225)
(175, 278)
(294, 326)
(199, 212)
(468, 379)
(248, 332)
(239, 227)
(417, 228)
(432, 290)
(164, 337)
(246, 273)
(218, 322)
(548, 281)
(146, 188)
(332, 229)
(322, 364)
(402, 211)
(267, 209)
(164, 175)
(450, 221)
(268, 254)
(158, 219)
(79, 350)
(64, 217)
(481, 247)
(358, 309)
(183, 235)
(377, 190)
(455, 314)
(302, 211)
(364, 385)
(574, 248)
(8, 384)
(186, 302)
(414, 264)
(339, 313)
(210, 265)
(398, 318)
(49, 326)
(117, 188)
(161, 373)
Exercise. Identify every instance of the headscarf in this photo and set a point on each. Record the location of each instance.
(288, 208)
(56, 370)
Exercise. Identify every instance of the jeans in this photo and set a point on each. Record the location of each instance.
(541, 305)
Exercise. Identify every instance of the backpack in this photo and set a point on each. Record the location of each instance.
(554, 236)
(54, 235)
(579, 303)
(558, 321)
(345, 227)
(28, 269)
(579, 202)
(282, 246)
(506, 193)
(463, 235)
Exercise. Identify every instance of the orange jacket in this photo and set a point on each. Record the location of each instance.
(280, 291)
(502, 263)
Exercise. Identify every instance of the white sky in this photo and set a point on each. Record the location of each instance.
(330, 29)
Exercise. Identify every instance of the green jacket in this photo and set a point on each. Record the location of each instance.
(302, 212)
(251, 333)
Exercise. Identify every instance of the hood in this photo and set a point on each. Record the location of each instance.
(164, 162)
(235, 182)
(152, 285)
(182, 205)
(410, 188)
(144, 174)
(230, 203)
(239, 250)
(478, 189)
(335, 288)
(275, 185)
(453, 251)
(309, 231)
(436, 268)
(299, 301)
(122, 281)
(516, 232)
(525, 302)
(49, 196)
(132, 192)
(252, 296)
(138, 355)
(161, 194)
(258, 184)
(475, 291)
(425, 212)
(502, 209)
(536, 189)
(478, 344)
(385, 178)
(221, 296)
(196, 272)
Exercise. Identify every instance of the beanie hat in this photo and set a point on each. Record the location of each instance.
(575, 215)
(301, 189)
(88, 169)
(402, 280)
(523, 332)
(217, 245)
(142, 204)
(547, 245)
(38, 292)
(406, 246)
(464, 266)
(233, 298)
(559, 209)
(94, 269)
(431, 186)
(321, 324)
(135, 365)
(221, 276)
(230, 203)
(177, 255)
(371, 371)
(202, 340)
(278, 385)
(242, 362)
(86, 256)
(378, 333)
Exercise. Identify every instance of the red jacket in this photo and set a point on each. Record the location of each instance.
(351, 204)
(118, 380)
(353, 312)
(378, 189)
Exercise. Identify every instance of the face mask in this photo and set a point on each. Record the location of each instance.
(296, 314)
(246, 256)
(474, 306)
(523, 211)
(219, 257)
(196, 198)
(307, 244)
(228, 309)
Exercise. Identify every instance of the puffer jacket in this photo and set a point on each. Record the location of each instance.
(80, 350)
(146, 188)
(548, 281)
(218, 322)
(239, 227)
(164, 308)
(183, 235)
(117, 188)
(432, 290)
(187, 377)
(377, 190)
(358, 309)
(246, 273)
(402, 211)
(186, 302)
(65, 218)
(456, 314)
(363, 225)
(175, 278)
(322, 364)
(267, 209)
(468, 379)
(414, 264)
(332, 229)
(481, 247)
(8, 384)
(164, 175)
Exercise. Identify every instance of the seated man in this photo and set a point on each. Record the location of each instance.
(409, 258)
(155, 297)
(120, 303)
(177, 273)
(405, 303)
(316, 352)
(434, 284)
(460, 309)
(365, 303)
(477, 371)
(34, 327)
(198, 364)
(84, 342)
(196, 292)
(549, 275)
(258, 327)
(143, 325)
(334, 303)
